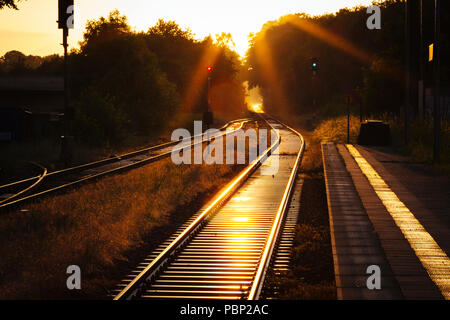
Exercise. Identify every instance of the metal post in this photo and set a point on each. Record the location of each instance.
(314, 89)
(66, 91)
(348, 123)
(407, 71)
(421, 62)
(66, 152)
(208, 107)
(360, 111)
(437, 98)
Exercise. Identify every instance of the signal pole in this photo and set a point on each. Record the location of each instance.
(65, 21)
(66, 152)
(207, 115)
(314, 69)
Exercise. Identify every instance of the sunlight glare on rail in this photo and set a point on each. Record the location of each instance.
(240, 219)
(241, 198)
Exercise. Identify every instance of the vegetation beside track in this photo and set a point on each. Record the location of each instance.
(14, 163)
(418, 150)
(99, 227)
(312, 272)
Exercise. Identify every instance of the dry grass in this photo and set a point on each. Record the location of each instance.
(295, 289)
(335, 130)
(94, 227)
(419, 149)
(312, 273)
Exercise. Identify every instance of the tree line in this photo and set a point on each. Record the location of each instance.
(352, 59)
(125, 83)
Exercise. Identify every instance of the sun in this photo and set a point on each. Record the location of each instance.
(257, 108)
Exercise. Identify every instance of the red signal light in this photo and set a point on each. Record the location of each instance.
(209, 69)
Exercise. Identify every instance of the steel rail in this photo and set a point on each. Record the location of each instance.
(139, 282)
(264, 263)
(139, 163)
(112, 159)
(39, 180)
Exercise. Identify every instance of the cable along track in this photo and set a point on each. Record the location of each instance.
(225, 249)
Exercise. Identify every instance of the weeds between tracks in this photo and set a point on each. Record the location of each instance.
(312, 273)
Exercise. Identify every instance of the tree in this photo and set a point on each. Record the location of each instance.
(98, 121)
(170, 29)
(15, 63)
(177, 51)
(105, 29)
(9, 4)
(352, 59)
(123, 76)
(183, 58)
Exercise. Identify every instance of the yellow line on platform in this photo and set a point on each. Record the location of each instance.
(433, 258)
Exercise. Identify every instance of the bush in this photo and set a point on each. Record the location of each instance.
(335, 130)
(97, 120)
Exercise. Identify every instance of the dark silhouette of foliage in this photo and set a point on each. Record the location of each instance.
(119, 68)
(372, 69)
(125, 83)
(15, 63)
(143, 76)
(12, 4)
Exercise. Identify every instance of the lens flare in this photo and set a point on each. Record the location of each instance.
(257, 108)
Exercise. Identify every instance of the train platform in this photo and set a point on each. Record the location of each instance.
(390, 225)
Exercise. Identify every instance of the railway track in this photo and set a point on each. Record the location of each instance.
(8, 197)
(226, 249)
(19, 192)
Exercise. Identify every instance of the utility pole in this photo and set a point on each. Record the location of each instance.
(407, 99)
(421, 87)
(65, 21)
(348, 101)
(437, 80)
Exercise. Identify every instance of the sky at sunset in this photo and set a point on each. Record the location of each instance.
(33, 29)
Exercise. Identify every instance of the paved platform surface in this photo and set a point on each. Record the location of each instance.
(386, 212)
